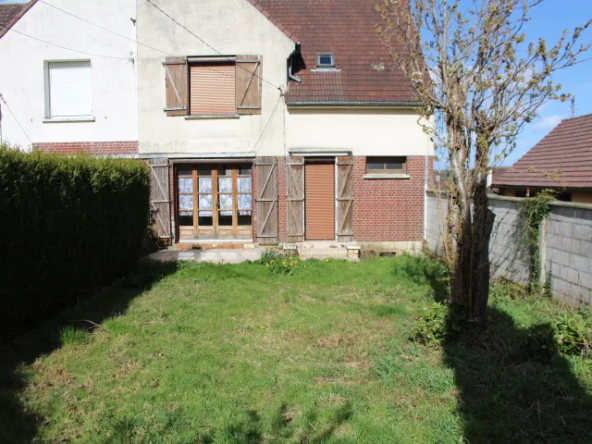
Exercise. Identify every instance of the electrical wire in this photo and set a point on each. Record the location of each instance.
(14, 116)
(65, 47)
(208, 45)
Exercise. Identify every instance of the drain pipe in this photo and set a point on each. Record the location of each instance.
(295, 52)
(425, 193)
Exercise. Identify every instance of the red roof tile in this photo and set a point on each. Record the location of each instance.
(562, 159)
(346, 28)
(10, 13)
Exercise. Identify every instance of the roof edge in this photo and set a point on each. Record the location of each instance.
(10, 24)
(391, 104)
(269, 17)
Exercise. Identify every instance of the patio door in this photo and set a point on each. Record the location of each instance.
(319, 185)
(214, 201)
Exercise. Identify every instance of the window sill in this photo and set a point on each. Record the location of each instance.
(69, 119)
(212, 117)
(387, 176)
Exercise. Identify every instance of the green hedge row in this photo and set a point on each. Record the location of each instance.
(67, 226)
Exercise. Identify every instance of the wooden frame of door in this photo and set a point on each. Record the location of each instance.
(215, 231)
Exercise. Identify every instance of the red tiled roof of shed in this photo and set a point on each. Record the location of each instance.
(346, 28)
(563, 159)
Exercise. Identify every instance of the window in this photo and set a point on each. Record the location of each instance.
(69, 90)
(220, 196)
(206, 87)
(386, 165)
(326, 60)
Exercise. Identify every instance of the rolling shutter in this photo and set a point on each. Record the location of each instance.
(320, 200)
(70, 89)
(176, 86)
(248, 84)
(213, 88)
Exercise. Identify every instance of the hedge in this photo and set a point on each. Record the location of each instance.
(68, 226)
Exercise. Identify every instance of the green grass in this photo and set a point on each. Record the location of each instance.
(199, 353)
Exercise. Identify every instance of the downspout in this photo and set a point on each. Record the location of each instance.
(425, 192)
(295, 52)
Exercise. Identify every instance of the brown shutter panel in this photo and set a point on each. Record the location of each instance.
(249, 84)
(159, 196)
(267, 201)
(213, 89)
(295, 173)
(345, 199)
(176, 86)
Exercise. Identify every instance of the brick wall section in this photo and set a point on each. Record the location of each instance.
(389, 209)
(94, 148)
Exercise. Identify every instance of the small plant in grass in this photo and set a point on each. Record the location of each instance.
(70, 335)
(438, 323)
(280, 263)
(569, 334)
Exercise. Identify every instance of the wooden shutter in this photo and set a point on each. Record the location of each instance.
(345, 199)
(248, 84)
(176, 86)
(212, 89)
(320, 200)
(160, 201)
(295, 178)
(267, 201)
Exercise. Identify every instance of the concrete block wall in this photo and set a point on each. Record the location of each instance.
(565, 239)
(567, 251)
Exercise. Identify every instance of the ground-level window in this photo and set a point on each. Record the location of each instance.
(69, 89)
(386, 165)
(215, 201)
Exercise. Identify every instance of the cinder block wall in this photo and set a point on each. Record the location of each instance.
(566, 245)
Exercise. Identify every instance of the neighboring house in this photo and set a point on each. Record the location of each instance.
(70, 85)
(561, 161)
(264, 121)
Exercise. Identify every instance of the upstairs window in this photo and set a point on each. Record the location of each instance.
(69, 90)
(386, 165)
(213, 86)
(326, 60)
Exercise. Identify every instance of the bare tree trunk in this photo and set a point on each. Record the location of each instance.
(482, 226)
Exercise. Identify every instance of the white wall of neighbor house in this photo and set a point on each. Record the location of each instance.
(362, 130)
(23, 71)
(230, 27)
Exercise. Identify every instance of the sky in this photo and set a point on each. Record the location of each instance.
(548, 20)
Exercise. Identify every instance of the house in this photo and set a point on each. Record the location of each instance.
(264, 121)
(68, 85)
(562, 161)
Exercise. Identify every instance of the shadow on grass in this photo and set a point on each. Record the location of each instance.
(513, 389)
(17, 425)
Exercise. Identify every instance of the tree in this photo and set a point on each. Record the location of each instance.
(479, 79)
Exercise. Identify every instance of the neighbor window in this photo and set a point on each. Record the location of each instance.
(386, 165)
(326, 60)
(69, 89)
(213, 86)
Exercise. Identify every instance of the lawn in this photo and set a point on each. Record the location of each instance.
(198, 353)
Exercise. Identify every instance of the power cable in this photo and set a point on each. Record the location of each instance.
(13, 115)
(208, 45)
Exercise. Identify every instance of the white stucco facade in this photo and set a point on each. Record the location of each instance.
(363, 131)
(23, 71)
(229, 27)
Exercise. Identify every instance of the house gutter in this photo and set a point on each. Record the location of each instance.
(405, 104)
